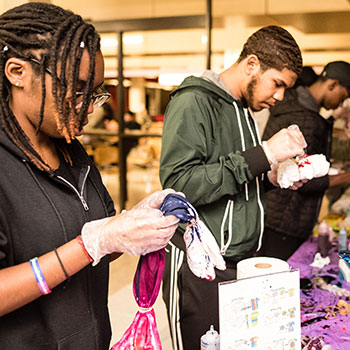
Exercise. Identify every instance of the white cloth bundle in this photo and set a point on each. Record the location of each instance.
(312, 166)
(203, 253)
(309, 167)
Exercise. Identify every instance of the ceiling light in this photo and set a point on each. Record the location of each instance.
(132, 39)
(173, 79)
(108, 42)
(128, 39)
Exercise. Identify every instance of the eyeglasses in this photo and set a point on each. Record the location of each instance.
(98, 97)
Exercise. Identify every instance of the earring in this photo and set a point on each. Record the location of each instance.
(17, 83)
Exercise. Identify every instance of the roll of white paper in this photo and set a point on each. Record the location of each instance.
(260, 266)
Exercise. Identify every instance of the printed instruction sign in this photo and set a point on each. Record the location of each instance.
(261, 313)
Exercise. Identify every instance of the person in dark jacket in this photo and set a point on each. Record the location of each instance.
(211, 151)
(307, 77)
(58, 226)
(291, 215)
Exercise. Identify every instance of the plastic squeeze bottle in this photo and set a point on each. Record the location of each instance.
(210, 340)
(323, 239)
(342, 239)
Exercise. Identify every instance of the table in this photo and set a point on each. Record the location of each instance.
(335, 331)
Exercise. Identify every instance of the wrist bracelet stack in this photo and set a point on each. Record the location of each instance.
(40, 279)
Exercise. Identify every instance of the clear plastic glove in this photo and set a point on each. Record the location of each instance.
(285, 144)
(135, 232)
(155, 199)
(272, 174)
(296, 185)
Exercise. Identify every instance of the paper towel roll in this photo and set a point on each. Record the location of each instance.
(260, 266)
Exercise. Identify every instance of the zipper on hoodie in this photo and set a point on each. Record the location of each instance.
(79, 194)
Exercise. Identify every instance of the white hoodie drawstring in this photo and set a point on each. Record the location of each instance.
(259, 141)
(229, 212)
(257, 181)
(242, 143)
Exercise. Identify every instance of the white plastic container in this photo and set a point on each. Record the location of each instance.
(210, 340)
(342, 239)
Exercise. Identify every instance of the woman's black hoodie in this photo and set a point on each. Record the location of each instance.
(40, 211)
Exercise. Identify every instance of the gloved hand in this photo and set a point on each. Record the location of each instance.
(135, 232)
(273, 178)
(272, 174)
(296, 185)
(155, 199)
(285, 144)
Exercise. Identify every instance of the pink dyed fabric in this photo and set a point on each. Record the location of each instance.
(143, 332)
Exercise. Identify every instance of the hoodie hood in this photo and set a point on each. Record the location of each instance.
(10, 146)
(74, 149)
(39, 213)
(197, 82)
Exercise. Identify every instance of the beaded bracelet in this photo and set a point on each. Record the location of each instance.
(40, 279)
(80, 241)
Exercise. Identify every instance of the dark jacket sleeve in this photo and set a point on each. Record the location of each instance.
(319, 184)
(256, 160)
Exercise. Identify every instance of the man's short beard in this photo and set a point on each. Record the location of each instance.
(250, 93)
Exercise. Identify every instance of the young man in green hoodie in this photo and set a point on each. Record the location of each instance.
(211, 152)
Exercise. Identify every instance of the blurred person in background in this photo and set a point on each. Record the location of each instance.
(307, 78)
(292, 215)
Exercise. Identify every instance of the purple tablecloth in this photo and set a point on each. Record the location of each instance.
(315, 302)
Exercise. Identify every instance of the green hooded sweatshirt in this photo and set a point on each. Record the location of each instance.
(211, 152)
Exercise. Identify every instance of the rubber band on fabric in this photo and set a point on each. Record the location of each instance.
(267, 151)
(62, 266)
(145, 309)
(80, 241)
(40, 279)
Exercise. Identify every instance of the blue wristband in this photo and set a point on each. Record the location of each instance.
(40, 279)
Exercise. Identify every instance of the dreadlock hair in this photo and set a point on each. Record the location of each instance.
(48, 37)
(275, 47)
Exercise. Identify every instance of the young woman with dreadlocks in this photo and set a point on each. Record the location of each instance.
(58, 226)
